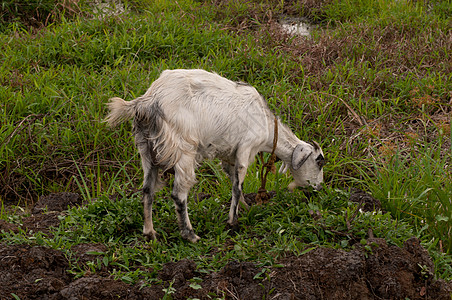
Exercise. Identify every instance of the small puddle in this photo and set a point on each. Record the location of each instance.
(295, 26)
(106, 8)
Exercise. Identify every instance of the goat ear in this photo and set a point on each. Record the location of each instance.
(299, 156)
(316, 145)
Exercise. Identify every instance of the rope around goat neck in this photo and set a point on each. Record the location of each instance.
(262, 194)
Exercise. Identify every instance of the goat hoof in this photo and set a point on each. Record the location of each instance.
(194, 239)
(233, 228)
(152, 236)
(190, 236)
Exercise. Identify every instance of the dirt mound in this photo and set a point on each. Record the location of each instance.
(98, 288)
(7, 227)
(57, 202)
(365, 201)
(41, 222)
(32, 272)
(45, 213)
(372, 271)
(385, 272)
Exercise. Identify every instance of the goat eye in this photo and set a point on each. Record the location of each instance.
(320, 161)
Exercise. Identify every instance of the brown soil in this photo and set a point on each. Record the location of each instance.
(365, 201)
(380, 271)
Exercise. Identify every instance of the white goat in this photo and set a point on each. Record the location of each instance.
(187, 116)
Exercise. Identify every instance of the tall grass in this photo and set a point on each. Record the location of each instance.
(417, 187)
(58, 82)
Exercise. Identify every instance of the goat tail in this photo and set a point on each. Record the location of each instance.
(120, 111)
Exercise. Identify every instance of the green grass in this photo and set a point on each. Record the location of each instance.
(417, 186)
(369, 85)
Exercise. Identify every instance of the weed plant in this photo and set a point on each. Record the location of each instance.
(368, 84)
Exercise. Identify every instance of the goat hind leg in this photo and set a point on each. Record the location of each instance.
(182, 184)
(148, 199)
(149, 186)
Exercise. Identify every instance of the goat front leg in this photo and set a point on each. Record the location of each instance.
(184, 178)
(230, 171)
(241, 166)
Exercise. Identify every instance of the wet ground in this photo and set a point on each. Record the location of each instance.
(379, 271)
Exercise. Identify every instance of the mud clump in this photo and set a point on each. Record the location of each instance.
(32, 272)
(251, 198)
(365, 201)
(45, 214)
(57, 202)
(7, 227)
(97, 288)
(41, 222)
(178, 272)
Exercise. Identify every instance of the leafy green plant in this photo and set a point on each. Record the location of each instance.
(169, 291)
(416, 186)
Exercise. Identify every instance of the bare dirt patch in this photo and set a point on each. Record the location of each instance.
(45, 213)
(57, 202)
(379, 271)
